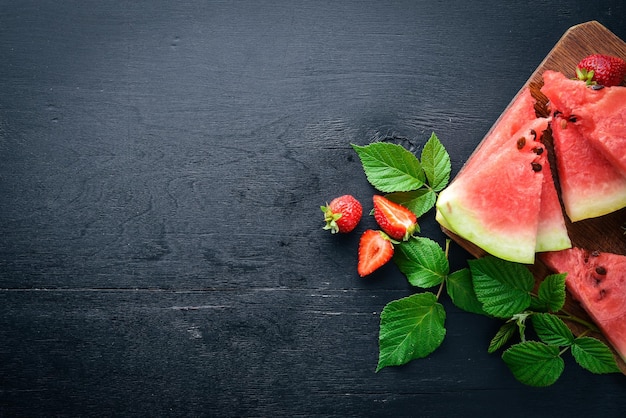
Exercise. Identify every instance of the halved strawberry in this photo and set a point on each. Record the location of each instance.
(375, 250)
(342, 214)
(396, 220)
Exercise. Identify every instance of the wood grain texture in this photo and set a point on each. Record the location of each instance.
(162, 164)
(598, 234)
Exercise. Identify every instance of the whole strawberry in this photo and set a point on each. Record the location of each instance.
(342, 214)
(601, 69)
(393, 218)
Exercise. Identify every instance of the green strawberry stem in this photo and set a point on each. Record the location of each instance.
(330, 219)
(587, 76)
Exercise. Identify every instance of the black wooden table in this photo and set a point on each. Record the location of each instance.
(162, 164)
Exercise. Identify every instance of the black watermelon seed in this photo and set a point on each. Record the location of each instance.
(521, 142)
(601, 270)
(536, 166)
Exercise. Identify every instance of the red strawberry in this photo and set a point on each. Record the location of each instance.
(343, 214)
(396, 220)
(375, 250)
(601, 69)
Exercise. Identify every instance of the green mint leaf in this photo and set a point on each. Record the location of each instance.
(410, 328)
(593, 355)
(552, 292)
(461, 291)
(417, 201)
(423, 262)
(436, 163)
(504, 334)
(390, 167)
(534, 363)
(501, 286)
(551, 329)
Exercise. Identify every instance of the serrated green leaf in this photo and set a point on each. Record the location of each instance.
(417, 201)
(552, 292)
(423, 262)
(410, 328)
(537, 305)
(551, 329)
(461, 291)
(390, 167)
(593, 355)
(436, 163)
(504, 334)
(501, 286)
(534, 363)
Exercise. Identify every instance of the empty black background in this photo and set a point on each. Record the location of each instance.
(162, 164)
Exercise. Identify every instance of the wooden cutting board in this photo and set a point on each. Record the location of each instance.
(604, 233)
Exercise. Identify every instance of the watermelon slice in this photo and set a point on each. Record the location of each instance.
(496, 203)
(598, 282)
(551, 230)
(600, 113)
(590, 185)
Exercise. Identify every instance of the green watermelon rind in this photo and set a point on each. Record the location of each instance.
(552, 239)
(515, 248)
(594, 205)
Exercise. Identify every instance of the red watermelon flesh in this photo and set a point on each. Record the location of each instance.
(607, 130)
(598, 282)
(520, 112)
(567, 95)
(496, 204)
(590, 185)
(601, 113)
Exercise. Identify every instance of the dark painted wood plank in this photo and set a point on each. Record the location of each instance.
(242, 353)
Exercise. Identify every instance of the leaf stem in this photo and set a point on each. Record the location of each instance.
(446, 252)
(569, 317)
(566, 315)
(440, 290)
